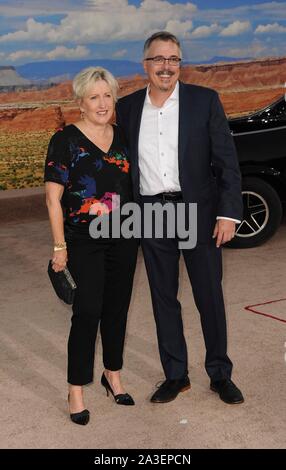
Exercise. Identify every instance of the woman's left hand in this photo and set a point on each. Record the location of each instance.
(59, 260)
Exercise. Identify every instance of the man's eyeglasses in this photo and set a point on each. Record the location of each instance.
(160, 60)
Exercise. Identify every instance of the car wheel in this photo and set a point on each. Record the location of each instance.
(262, 214)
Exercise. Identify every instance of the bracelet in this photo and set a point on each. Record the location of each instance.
(59, 249)
(60, 246)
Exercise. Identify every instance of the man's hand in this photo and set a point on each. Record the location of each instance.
(224, 231)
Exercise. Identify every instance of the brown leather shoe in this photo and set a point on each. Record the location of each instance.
(228, 391)
(169, 390)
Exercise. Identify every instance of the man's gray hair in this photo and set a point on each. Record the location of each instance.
(161, 36)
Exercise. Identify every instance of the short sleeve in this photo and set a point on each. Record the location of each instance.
(58, 159)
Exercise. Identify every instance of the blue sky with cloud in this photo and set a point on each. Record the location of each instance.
(116, 29)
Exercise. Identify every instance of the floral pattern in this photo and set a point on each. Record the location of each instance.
(91, 178)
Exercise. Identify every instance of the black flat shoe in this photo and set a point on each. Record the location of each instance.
(169, 390)
(79, 418)
(121, 398)
(228, 391)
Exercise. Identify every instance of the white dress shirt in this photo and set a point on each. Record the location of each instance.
(158, 147)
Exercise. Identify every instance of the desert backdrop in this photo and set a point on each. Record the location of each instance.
(29, 116)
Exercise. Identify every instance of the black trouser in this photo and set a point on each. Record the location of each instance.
(204, 266)
(103, 272)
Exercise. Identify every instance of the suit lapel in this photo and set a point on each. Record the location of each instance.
(136, 113)
(184, 120)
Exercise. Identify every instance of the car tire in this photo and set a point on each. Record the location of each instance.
(262, 214)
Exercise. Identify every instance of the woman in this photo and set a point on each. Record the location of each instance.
(86, 166)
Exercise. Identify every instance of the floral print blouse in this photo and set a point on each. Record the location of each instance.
(89, 175)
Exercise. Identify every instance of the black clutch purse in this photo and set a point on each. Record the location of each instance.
(63, 284)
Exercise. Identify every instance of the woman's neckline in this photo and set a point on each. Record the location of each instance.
(99, 148)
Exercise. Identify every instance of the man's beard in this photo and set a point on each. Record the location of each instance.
(167, 86)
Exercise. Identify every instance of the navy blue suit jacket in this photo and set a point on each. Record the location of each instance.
(209, 172)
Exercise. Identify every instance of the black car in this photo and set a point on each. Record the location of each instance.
(260, 140)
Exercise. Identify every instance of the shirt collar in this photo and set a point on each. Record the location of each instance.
(173, 97)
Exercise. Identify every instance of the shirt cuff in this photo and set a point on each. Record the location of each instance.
(228, 218)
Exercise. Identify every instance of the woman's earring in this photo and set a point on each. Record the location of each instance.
(82, 115)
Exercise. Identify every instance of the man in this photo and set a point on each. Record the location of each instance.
(181, 150)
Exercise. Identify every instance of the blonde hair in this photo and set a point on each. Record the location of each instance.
(86, 77)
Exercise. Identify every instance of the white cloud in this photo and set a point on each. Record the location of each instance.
(180, 29)
(236, 28)
(161, 6)
(206, 50)
(68, 53)
(120, 53)
(16, 8)
(100, 5)
(34, 30)
(270, 28)
(261, 11)
(256, 49)
(205, 31)
(104, 22)
(98, 24)
(59, 52)
(25, 54)
(271, 9)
